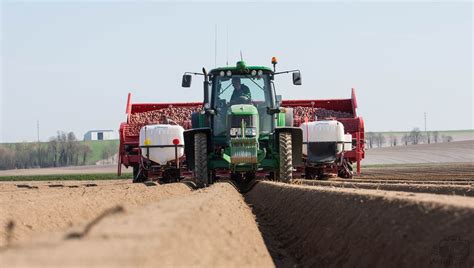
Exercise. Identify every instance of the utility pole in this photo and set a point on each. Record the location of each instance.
(426, 132)
(38, 141)
(425, 122)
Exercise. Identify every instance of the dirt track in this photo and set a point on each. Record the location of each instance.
(389, 217)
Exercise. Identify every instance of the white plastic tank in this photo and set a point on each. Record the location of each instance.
(347, 142)
(323, 131)
(161, 135)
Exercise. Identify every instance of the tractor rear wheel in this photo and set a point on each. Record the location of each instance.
(285, 173)
(200, 160)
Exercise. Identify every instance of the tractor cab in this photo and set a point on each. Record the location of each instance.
(242, 94)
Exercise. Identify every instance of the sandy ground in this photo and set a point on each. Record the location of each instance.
(459, 151)
(46, 208)
(448, 172)
(207, 228)
(322, 226)
(395, 216)
(463, 190)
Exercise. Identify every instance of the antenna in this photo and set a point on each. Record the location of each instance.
(241, 58)
(215, 47)
(227, 47)
(38, 144)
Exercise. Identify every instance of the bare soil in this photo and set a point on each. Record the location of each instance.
(463, 190)
(54, 206)
(447, 172)
(316, 226)
(449, 152)
(413, 215)
(207, 228)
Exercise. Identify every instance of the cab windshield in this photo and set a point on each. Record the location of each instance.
(242, 89)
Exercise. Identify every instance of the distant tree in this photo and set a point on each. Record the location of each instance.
(53, 151)
(370, 139)
(85, 151)
(435, 135)
(380, 139)
(7, 157)
(72, 149)
(62, 150)
(393, 140)
(415, 136)
(109, 150)
(406, 139)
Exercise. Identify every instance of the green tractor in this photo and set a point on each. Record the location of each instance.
(242, 131)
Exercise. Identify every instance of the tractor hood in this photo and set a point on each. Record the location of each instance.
(243, 109)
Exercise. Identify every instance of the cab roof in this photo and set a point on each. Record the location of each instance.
(241, 67)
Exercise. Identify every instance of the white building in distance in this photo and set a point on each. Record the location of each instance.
(99, 135)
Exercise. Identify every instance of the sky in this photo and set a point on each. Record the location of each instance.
(70, 65)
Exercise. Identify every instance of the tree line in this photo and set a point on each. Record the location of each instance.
(416, 136)
(64, 149)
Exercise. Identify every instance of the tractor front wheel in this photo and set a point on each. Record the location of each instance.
(200, 160)
(285, 173)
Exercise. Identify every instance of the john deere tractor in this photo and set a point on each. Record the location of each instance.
(242, 131)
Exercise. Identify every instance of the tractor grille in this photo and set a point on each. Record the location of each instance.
(243, 150)
(249, 120)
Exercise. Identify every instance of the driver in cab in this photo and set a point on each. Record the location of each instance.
(241, 94)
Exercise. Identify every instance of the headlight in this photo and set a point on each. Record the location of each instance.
(235, 132)
(253, 73)
(228, 73)
(251, 131)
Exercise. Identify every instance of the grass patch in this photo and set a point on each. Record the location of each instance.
(98, 148)
(68, 177)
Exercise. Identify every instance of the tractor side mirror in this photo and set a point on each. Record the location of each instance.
(297, 78)
(186, 82)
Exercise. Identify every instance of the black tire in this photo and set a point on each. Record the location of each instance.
(345, 171)
(321, 175)
(170, 175)
(201, 170)
(285, 173)
(139, 175)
